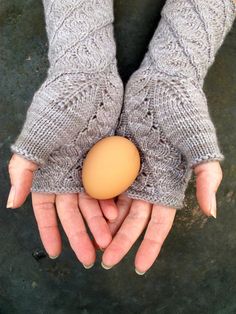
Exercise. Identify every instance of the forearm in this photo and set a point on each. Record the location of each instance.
(182, 50)
(83, 31)
(82, 63)
(189, 36)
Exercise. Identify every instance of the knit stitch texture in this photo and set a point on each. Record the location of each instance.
(81, 98)
(165, 110)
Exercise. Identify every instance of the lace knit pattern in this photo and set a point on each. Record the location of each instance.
(80, 101)
(165, 111)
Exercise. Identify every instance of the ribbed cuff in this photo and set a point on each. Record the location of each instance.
(207, 158)
(171, 200)
(27, 155)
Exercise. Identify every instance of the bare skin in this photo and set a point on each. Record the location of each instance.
(136, 216)
(126, 219)
(71, 209)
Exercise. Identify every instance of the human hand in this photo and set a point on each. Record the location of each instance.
(137, 215)
(165, 113)
(69, 207)
(57, 184)
(165, 110)
(78, 104)
(83, 92)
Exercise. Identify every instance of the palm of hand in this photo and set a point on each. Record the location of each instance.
(69, 208)
(134, 216)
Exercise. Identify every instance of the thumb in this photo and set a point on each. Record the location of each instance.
(209, 176)
(21, 175)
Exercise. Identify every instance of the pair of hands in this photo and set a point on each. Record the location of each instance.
(164, 112)
(114, 224)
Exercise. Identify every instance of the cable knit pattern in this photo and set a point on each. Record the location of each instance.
(80, 101)
(165, 111)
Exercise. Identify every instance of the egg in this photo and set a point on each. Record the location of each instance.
(110, 167)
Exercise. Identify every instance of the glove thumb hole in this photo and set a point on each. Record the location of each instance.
(21, 173)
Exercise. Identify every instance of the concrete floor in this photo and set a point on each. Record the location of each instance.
(195, 272)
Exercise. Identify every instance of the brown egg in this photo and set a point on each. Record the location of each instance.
(110, 167)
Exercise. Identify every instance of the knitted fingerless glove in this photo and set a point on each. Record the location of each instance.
(81, 99)
(165, 111)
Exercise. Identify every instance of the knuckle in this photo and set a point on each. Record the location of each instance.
(44, 206)
(123, 238)
(77, 235)
(162, 227)
(156, 242)
(70, 215)
(47, 227)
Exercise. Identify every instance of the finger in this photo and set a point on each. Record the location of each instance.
(209, 176)
(123, 204)
(45, 214)
(21, 176)
(75, 229)
(158, 228)
(109, 209)
(128, 233)
(97, 224)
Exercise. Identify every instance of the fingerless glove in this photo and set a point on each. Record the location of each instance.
(82, 78)
(80, 101)
(165, 111)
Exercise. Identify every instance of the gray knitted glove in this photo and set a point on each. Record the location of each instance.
(81, 99)
(165, 111)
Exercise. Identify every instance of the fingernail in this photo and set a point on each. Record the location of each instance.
(139, 272)
(105, 266)
(53, 257)
(88, 266)
(10, 201)
(213, 206)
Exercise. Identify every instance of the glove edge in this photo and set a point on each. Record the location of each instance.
(172, 202)
(25, 154)
(207, 158)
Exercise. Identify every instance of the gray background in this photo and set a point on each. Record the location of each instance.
(195, 272)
